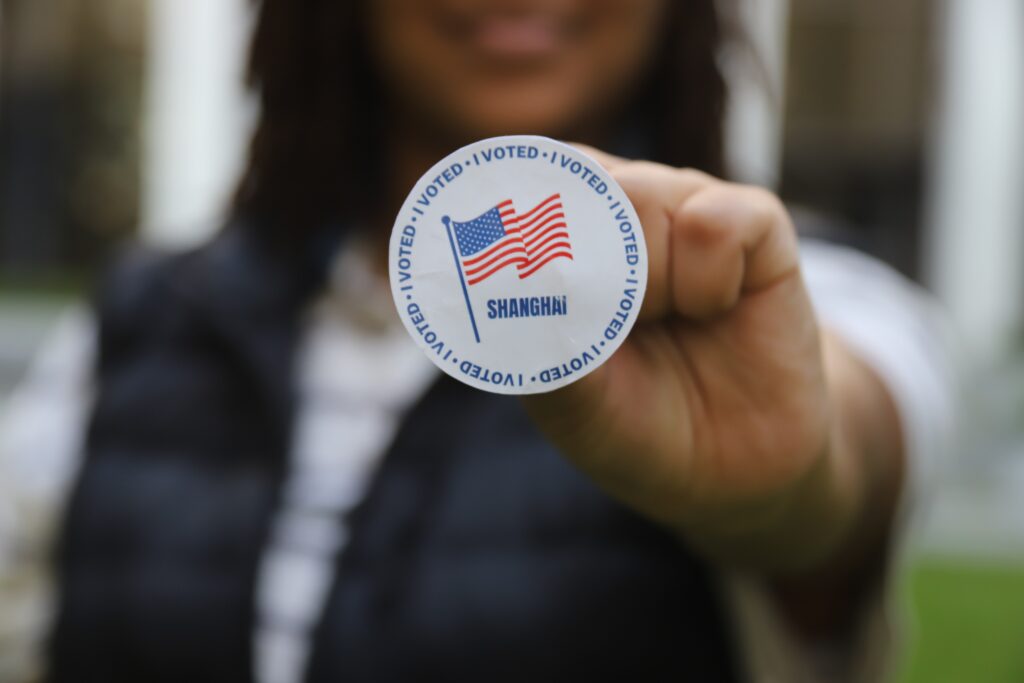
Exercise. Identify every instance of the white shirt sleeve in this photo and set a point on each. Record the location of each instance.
(42, 426)
(894, 327)
(898, 330)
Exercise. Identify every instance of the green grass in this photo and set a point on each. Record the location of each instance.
(969, 622)
(43, 286)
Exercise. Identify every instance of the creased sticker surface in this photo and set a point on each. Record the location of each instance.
(517, 264)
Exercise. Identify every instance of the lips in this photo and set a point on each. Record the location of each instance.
(511, 36)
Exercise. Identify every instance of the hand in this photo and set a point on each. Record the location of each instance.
(716, 417)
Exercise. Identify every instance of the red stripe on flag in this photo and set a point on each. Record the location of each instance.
(537, 255)
(514, 259)
(539, 248)
(504, 242)
(514, 250)
(555, 210)
(535, 267)
(554, 227)
(528, 214)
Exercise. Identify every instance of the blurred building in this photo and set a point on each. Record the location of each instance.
(899, 121)
(860, 79)
(70, 87)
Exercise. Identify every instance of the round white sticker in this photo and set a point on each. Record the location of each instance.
(518, 264)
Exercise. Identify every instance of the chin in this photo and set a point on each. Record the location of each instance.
(528, 124)
(534, 114)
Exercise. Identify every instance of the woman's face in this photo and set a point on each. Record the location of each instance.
(474, 68)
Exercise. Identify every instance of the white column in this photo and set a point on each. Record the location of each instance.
(198, 118)
(974, 254)
(757, 91)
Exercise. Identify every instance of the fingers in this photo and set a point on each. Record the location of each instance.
(656, 191)
(609, 161)
(727, 241)
(709, 242)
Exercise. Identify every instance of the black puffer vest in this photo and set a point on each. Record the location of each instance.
(478, 555)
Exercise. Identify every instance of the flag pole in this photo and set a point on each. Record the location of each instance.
(462, 280)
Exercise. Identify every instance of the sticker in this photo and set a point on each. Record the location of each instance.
(518, 264)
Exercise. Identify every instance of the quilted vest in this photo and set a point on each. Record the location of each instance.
(479, 553)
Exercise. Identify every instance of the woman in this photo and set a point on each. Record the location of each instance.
(271, 487)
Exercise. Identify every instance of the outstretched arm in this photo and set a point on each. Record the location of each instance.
(728, 415)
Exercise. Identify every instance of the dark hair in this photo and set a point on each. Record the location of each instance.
(311, 163)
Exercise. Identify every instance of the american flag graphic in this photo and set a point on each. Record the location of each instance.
(545, 235)
(499, 237)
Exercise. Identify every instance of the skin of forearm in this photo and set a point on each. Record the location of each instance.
(822, 599)
(830, 525)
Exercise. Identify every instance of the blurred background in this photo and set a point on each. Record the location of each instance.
(899, 119)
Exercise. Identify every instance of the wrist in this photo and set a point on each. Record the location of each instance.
(794, 530)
